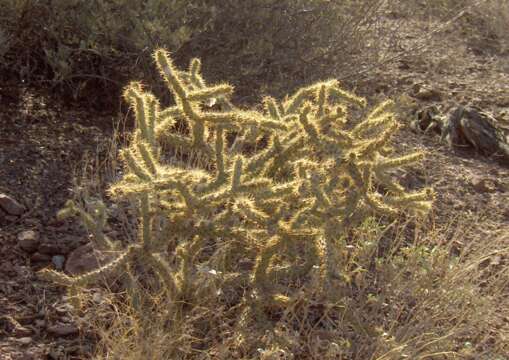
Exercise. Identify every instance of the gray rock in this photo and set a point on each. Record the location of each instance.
(469, 125)
(426, 93)
(22, 331)
(63, 329)
(58, 261)
(11, 206)
(28, 240)
(25, 340)
(49, 248)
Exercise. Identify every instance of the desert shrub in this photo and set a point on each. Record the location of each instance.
(98, 45)
(273, 233)
(297, 41)
(259, 213)
(74, 44)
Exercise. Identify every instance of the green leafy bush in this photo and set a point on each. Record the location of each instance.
(244, 208)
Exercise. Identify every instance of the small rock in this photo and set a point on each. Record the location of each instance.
(38, 257)
(49, 248)
(68, 244)
(10, 218)
(25, 340)
(21, 331)
(97, 298)
(11, 206)
(58, 261)
(32, 222)
(85, 259)
(62, 329)
(56, 354)
(63, 309)
(428, 94)
(245, 264)
(40, 323)
(28, 240)
(484, 185)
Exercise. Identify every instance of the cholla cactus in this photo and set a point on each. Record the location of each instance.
(281, 185)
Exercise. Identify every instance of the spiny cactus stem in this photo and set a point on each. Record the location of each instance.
(148, 158)
(169, 73)
(146, 221)
(219, 150)
(133, 165)
(236, 175)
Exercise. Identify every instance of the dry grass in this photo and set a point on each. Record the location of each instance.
(420, 296)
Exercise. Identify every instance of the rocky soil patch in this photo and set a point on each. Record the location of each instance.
(41, 146)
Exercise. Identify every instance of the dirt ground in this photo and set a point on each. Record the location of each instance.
(43, 144)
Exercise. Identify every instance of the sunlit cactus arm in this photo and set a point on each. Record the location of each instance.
(293, 104)
(355, 173)
(342, 138)
(386, 164)
(152, 113)
(391, 184)
(242, 118)
(148, 158)
(210, 92)
(191, 201)
(94, 224)
(369, 147)
(260, 277)
(336, 92)
(89, 277)
(272, 108)
(139, 104)
(382, 108)
(310, 128)
(197, 81)
(171, 112)
(375, 202)
(258, 162)
(146, 218)
(338, 117)
(236, 174)
(194, 72)
(368, 124)
(318, 193)
(220, 153)
(134, 166)
(321, 100)
(422, 207)
(267, 193)
(169, 73)
(56, 277)
(108, 269)
(411, 198)
(248, 208)
(165, 273)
